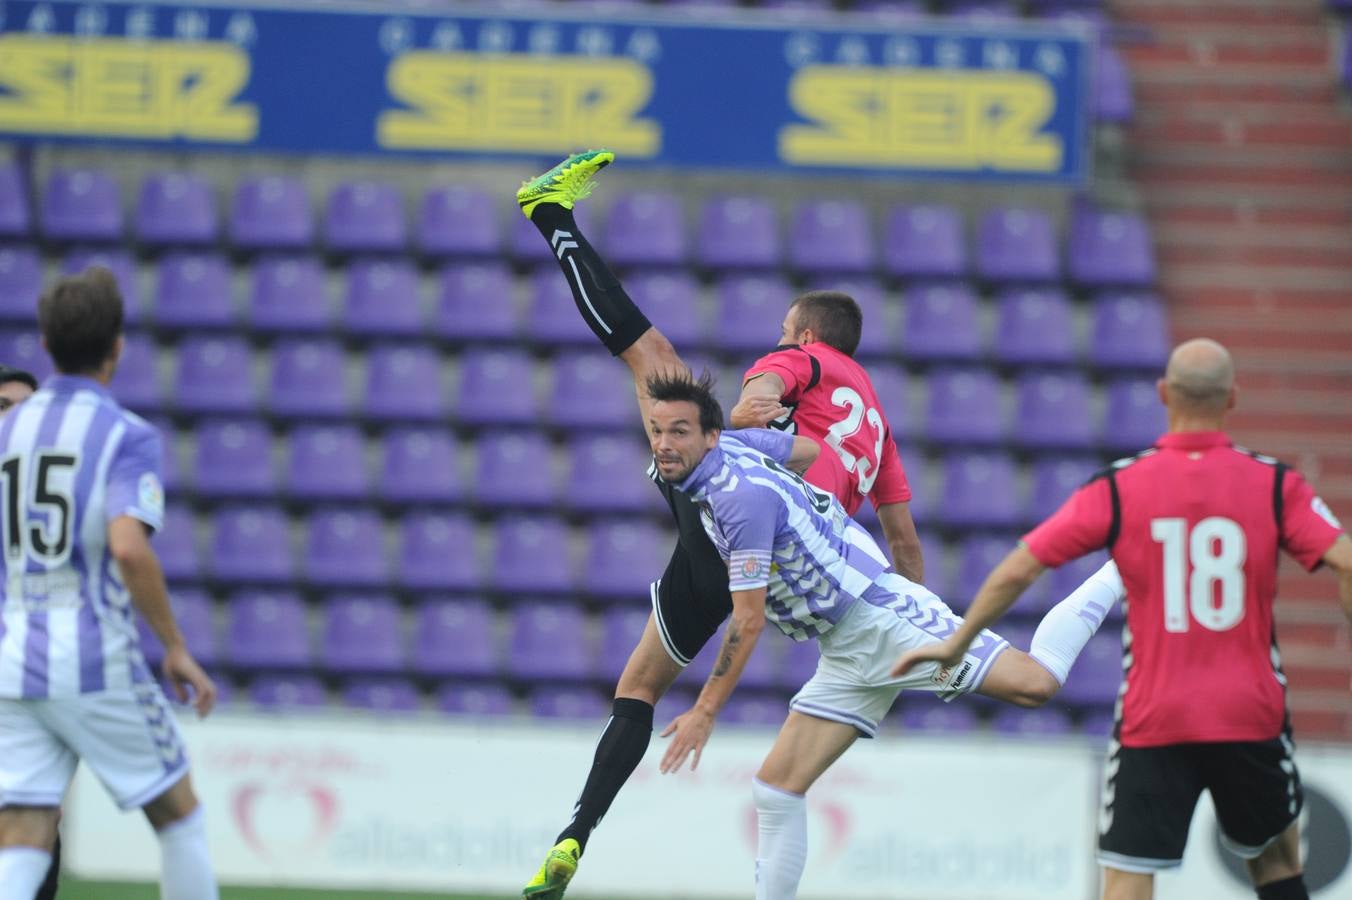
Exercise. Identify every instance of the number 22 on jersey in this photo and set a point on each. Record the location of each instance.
(1215, 551)
(856, 413)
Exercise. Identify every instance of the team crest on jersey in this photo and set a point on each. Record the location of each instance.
(752, 568)
(1322, 510)
(150, 494)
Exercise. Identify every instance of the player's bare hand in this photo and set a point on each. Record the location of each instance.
(757, 411)
(945, 653)
(689, 733)
(183, 673)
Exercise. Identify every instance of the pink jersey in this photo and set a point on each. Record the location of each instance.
(831, 399)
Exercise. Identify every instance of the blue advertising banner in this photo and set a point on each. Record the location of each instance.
(927, 100)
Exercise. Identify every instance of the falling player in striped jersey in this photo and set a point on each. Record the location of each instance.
(79, 494)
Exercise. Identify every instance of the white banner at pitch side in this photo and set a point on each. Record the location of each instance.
(389, 804)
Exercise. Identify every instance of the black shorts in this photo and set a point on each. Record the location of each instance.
(690, 601)
(1150, 792)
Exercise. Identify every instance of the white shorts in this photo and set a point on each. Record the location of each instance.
(127, 736)
(852, 683)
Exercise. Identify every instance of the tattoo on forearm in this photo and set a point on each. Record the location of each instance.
(730, 644)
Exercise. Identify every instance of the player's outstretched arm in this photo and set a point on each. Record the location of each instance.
(903, 542)
(760, 402)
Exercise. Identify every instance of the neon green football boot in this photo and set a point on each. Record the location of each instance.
(557, 870)
(566, 183)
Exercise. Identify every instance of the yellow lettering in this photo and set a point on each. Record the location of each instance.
(464, 101)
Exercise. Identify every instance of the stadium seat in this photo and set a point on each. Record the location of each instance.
(980, 491)
(1108, 248)
(1098, 723)
(1034, 327)
(215, 375)
(530, 554)
(1046, 721)
(16, 218)
(894, 390)
(831, 236)
(193, 291)
(1017, 245)
(381, 695)
(419, 466)
(171, 472)
(382, 299)
(458, 221)
(590, 390)
(136, 382)
(514, 468)
(475, 302)
(81, 205)
(582, 703)
(361, 634)
(670, 300)
(762, 669)
(768, 710)
(1134, 418)
(1053, 412)
(251, 545)
(624, 556)
(176, 208)
(621, 628)
(458, 699)
(309, 378)
(345, 547)
(20, 281)
(365, 217)
(645, 228)
(978, 555)
(271, 212)
(924, 241)
(288, 692)
(289, 295)
(941, 323)
(437, 552)
(553, 317)
(797, 664)
(193, 610)
(496, 388)
(176, 545)
(738, 233)
(267, 630)
(1055, 478)
(750, 310)
(964, 407)
(1130, 331)
(1113, 101)
(327, 462)
(876, 337)
(1097, 673)
(455, 639)
(922, 713)
(606, 474)
(117, 261)
(233, 458)
(404, 381)
(549, 642)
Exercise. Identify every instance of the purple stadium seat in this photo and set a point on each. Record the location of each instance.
(437, 552)
(496, 388)
(1113, 102)
(624, 556)
(1097, 673)
(81, 205)
(475, 700)
(289, 295)
(382, 695)
(590, 391)
(746, 708)
(327, 462)
(670, 300)
(893, 387)
(404, 382)
(941, 566)
(382, 299)
(621, 629)
(309, 378)
(215, 375)
(1035, 327)
(20, 281)
(1054, 480)
(1044, 722)
(251, 544)
(941, 323)
(750, 310)
(797, 664)
(1054, 412)
(362, 634)
(193, 609)
(1130, 331)
(176, 208)
(964, 407)
(288, 692)
(271, 212)
(762, 669)
(876, 337)
(645, 228)
(553, 317)
(738, 233)
(1109, 249)
(831, 236)
(23, 350)
(1134, 417)
(1017, 245)
(233, 458)
(176, 545)
(1098, 723)
(458, 221)
(549, 641)
(15, 211)
(136, 383)
(980, 491)
(513, 468)
(193, 291)
(921, 713)
(419, 465)
(978, 554)
(345, 547)
(120, 263)
(365, 216)
(171, 474)
(267, 630)
(531, 554)
(475, 302)
(924, 241)
(606, 473)
(455, 638)
(568, 703)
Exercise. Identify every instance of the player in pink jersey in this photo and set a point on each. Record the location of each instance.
(1194, 525)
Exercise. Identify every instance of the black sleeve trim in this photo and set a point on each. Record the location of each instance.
(1278, 500)
(816, 373)
(1116, 527)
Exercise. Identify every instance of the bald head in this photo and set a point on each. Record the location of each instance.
(1200, 377)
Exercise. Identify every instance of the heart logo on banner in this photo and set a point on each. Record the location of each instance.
(271, 816)
(834, 816)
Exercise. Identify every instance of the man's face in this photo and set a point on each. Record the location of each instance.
(12, 393)
(677, 441)
(788, 332)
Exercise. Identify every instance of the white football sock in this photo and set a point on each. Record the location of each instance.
(22, 870)
(781, 845)
(1069, 625)
(185, 865)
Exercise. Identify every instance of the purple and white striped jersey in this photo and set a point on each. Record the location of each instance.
(776, 531)
(71, 461)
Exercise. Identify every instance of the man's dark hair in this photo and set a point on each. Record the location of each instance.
(684, 387)
(833, 316)
(8, 374)
(81, 318)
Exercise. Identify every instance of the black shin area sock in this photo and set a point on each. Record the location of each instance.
(48, 889)
(607, 309)
(1292, 888)
(618, 753)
